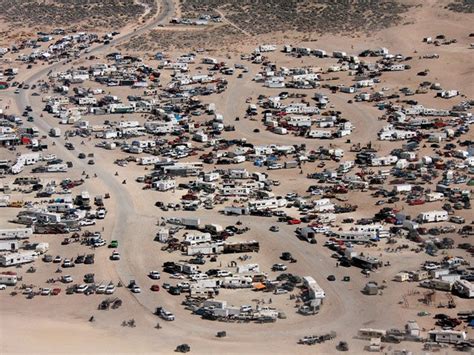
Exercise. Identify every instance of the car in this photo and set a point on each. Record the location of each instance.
(457, 219)
(155, 288)
(155, 275)
(66, 279)
(47, 258)
(274, 229)
(90, 290)
(197, 261)
(294, 221)
(224, 273)
(346, 278)
(183, 348)
(99, 243)
(365, 272)
(45, 291)
(280, 291)
(67, 263)
(177, 276)
(101, 289)
(135, 289)
(86, 222)
(286, 256)
(164, 314)
(3, 287)
(245, 308)
(115, 256)
(100, 214)
(279, 267)
(174, 290)
(91, 162)
(331, 278)
(110, 289)
(81, 156)
(26, 291)
(57, 259)
(81, 288)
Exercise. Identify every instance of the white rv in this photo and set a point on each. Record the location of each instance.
(433, 216)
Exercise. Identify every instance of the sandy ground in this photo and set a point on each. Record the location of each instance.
(59, 324)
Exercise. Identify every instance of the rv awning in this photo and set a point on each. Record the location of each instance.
(259, 286)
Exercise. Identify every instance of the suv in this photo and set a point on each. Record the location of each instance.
(197, 261)
(279, 267)
(163, 313)
(457, 219)
(155, 275)
(286, 256)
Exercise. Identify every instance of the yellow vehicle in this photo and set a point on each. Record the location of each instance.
(17, 204)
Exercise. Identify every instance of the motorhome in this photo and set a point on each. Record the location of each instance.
(13, 259)
(355, 237)
(16, 233)
(433, 216)
(464, 288)
(447, 336)
(272, 203)
(8, 278)
(369, 333)
(195, 238)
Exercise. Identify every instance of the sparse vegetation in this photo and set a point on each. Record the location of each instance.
(259, 17)
(67, 13)
(215, 37)
(466, 6)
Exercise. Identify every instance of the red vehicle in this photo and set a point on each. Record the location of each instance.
(56, 291)
(294, 221)
(422, 230)
(416, 202)
(339, 189)
(155, 288)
